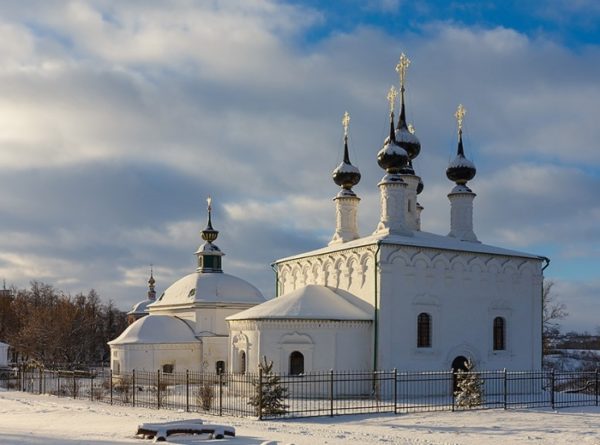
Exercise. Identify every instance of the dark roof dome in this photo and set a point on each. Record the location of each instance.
(408, 169)
(405, 138)
(460, 170)
(420, 186)
(346, 175)
(392, 157)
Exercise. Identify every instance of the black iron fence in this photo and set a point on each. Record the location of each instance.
(315, 394)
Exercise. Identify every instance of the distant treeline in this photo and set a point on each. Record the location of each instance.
(48, 327)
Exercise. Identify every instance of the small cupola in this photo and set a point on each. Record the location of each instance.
(209, 255)
(392, 157)
(461, 170)
(346, 175)
(404, 136)
(151, 283)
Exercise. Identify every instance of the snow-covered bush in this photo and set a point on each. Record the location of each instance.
(469, 392)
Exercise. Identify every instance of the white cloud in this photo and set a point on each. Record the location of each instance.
(224, 98)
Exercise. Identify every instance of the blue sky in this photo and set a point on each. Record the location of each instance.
(117, 119)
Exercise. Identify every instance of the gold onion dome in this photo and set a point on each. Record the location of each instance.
(346, 175)
(460, 170)
(392, 157)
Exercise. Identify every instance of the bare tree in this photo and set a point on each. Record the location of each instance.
(553, 310)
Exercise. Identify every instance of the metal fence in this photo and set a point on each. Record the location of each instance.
(315, 394)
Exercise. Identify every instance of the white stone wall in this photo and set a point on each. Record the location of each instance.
(152, 357)
(325, 345)
(351, 270)
(463, 293)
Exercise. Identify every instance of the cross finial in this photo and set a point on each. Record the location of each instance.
(346, 123)
(403, 64)
(460, 116)
(391, 97)
(209, 202)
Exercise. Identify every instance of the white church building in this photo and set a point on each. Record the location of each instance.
(398, 297)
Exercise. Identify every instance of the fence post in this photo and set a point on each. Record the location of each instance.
(452, 374)
(58, 383)
(111, 386)
(395, 391)
(260, 393)
(39, 380)
(158, 389)
(331, 393)
(133, 388)
(221, 394)
(505, 389)
(92, 387)
(596, 387)
(187, 390)
(552, 388)
(74, 386)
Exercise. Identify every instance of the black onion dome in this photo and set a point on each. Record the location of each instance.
(346, 175)
(392, 157)
(420, 186)
(408, 169)
(404, 137)
(460, 170)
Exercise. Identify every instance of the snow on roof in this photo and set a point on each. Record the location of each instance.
(420, 239)
(140, 308)
(209, 287)
(310, 302)
(461, 161)
(156, 329)
(2, 345)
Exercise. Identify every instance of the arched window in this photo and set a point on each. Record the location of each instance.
(424, 330)
(499, 334)
(220, 365)
(242, 363)
(296, 363)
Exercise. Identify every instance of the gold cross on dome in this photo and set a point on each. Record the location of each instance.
(403, 64)
(209, 202)
(346, 122)
(460, 116)
(391, 97)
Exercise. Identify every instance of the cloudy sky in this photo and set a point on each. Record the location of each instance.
(118, 118)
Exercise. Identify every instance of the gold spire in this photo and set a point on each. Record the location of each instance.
(391, 97)
(460, 116)
(209, 202)
(346, 123)
(403, 64)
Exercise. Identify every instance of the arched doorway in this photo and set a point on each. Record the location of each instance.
(459, 363)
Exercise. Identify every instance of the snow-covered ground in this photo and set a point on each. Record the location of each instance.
(48, 420)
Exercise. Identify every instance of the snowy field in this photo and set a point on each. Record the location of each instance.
(35, 419)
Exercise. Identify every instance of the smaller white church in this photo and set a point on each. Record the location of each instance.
(185, 328)
(397, 297)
